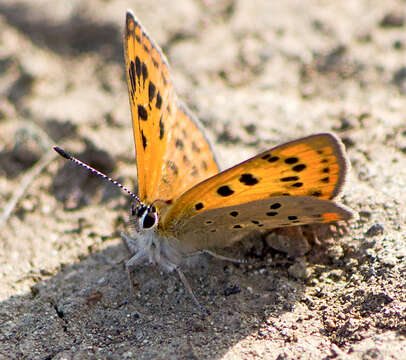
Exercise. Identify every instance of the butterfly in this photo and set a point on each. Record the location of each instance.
(185, 205)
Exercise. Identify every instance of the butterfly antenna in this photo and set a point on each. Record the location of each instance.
(64, 154)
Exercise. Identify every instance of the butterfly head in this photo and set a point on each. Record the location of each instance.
(145, 216)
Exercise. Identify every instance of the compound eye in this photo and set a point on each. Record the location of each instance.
(133, 210)
(149, 221)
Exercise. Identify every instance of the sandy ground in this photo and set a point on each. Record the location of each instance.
(257, 73)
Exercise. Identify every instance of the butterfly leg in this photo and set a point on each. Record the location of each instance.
(225, 258)
(130, 243)
(189, 289)
(137, 257)
(130, 265)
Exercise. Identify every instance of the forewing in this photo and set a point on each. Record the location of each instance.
(189, 158)
(165, 135)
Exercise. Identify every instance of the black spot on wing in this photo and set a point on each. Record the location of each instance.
(268, 157)
(299, 167)
(144, 140)
(131, 73)
(199, 206)
(161, 128)
(248, 179)
(278, 193)
(142, 113)
(138, 67)
(290, 178)
(291, 160)
(225, 190)
(271, 213)
(273, 159)
(158, 103)
(144, 71)
(151, 91)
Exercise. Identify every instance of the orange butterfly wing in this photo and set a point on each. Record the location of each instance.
(314, 166)
(171, 150)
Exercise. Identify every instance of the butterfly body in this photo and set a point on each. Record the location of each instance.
(149, 247)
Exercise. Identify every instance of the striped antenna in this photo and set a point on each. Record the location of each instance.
(64, 154)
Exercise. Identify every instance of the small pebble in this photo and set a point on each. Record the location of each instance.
(374, 230)
(299, 270)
